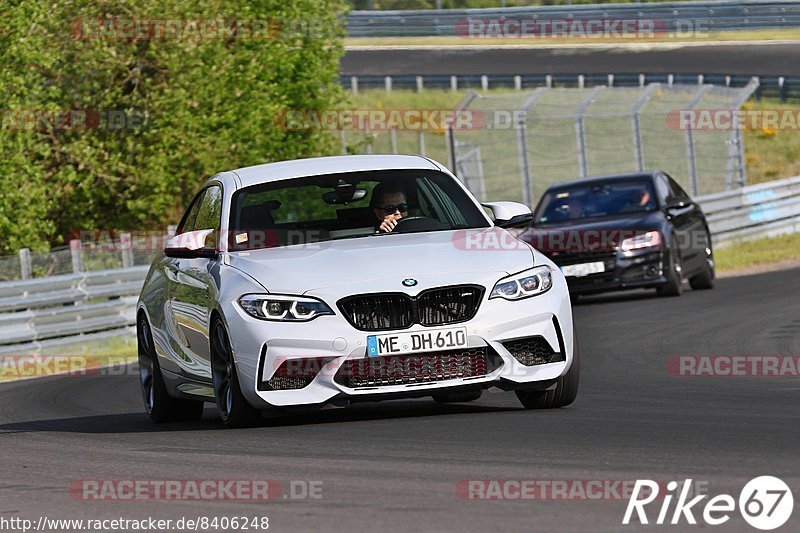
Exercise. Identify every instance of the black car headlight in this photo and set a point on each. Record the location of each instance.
(283, 308)
(528, 283)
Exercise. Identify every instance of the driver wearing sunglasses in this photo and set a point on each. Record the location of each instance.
(389, 205)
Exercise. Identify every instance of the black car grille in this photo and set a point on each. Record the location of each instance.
(433, 307)
(413, 368)
(532, 351)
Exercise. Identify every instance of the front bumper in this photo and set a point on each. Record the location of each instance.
(261, 347)
(623, 270)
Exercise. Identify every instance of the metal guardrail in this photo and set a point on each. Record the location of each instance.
(37, 310)
(710, 16)
(753, 212)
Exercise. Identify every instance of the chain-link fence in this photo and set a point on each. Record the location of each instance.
(530, 140)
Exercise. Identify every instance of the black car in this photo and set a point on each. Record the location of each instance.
(637, 230)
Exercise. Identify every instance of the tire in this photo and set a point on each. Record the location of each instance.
(159, 405)
(673, 286)
(458, 396)
(234, 410)
(563, 394)
(705, 279)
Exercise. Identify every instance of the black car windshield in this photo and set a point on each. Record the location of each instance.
(339, 206)
(595, 200)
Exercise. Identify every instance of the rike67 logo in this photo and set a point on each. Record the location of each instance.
(765, 503)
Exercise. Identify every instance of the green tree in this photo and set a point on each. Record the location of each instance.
(196, 91)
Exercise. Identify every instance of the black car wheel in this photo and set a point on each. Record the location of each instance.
(160, 406)
(673, 286)
(705, 279)
(565, 391)
(233, 408)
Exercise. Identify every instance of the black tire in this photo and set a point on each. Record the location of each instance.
(458, 396)
(673, 286)
(234, 410)
(159, 405)
(705, 280)
(564, 393)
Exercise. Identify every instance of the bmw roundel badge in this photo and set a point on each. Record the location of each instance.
(409, 282)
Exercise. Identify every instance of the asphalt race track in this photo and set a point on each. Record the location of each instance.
(395, 466)
(778, 59)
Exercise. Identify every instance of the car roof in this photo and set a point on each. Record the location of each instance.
(316, 166)
(603, 179)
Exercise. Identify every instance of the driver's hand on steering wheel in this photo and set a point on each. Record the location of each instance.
(389, 222)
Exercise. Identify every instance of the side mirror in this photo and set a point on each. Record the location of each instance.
(191, 245)
(510, 214)
(679, 204)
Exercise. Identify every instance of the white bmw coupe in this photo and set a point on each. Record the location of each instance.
(322, 282)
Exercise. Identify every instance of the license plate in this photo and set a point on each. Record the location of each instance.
(584, 269)
(417, 341)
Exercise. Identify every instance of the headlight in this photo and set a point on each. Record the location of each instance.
(283, 308)
(651, 239)
(528, 283)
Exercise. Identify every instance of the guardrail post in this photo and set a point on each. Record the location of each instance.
(670, 80)
(485, 82)
(641, 80)
(25, 267)
(127, 250)
(518, 82)
(393, 138)
(453, 83)
(354, 84)
(610, 80)
(548, 81)
(421, 138)
(419, 84)
(343, 141)
(387, 81)
(581, 81)
(75, 252)
(782, 89)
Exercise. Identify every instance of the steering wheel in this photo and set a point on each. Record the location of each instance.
(418, 223)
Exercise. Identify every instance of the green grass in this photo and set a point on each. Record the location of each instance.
(752, 253)
(85, 354)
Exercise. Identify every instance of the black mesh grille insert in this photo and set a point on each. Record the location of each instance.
(413, 368)
(448, 305)
(532, 351)
(433, 307)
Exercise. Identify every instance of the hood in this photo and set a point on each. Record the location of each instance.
(380, 263)
(588, 234)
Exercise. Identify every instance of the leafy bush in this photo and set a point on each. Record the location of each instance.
(191, 104)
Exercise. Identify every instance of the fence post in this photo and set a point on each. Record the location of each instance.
(127, 250)
(736, 140)
(638, 149)
(25, 267)
(580, 132)
(522, 146)
(691, 158)
(75, 252)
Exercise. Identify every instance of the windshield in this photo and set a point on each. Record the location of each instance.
(324, 208)
(595, 200)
